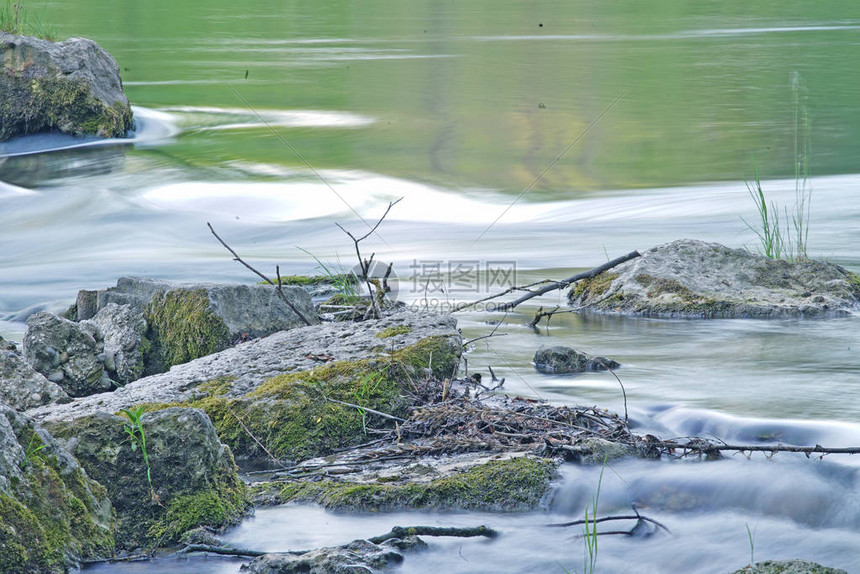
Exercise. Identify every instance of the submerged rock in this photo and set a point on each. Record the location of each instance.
(558, 360)
(21, 387)
(357, 556)
(72, 87)
(52, 516)
(788, 567)
(690, 278)
(66, 353)
(194, 480)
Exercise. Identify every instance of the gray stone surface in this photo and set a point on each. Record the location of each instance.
(66, 353)
(21, 387)
(193, 474)
(73, 87)
(253, 362)
(357, 556)
(788, 567)
(123, 329)
(559, 360)
(690, 278)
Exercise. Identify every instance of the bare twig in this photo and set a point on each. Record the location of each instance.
(256, 440)
(364, 265)
(636, 516)
(266, 279)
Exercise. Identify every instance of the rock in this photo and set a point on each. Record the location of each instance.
(194, 480)
(66, 353)
(559, 360)
(52, 516)
(273, 383)
(690, 278)
(359, 555)
(21, 387)
(7, 345)
(597, 451)
(73, 87)
(788, 567)
(124, 331)
(189, 321)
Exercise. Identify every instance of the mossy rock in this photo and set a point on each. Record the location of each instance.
(183, 326)
(52, 516)
(289, 413)
(194, 479)
(514, 484)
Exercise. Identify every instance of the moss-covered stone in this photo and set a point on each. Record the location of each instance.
(183, 327)
(289, 413)
(194, 479)
(593, 287)
(394, 331)
(513, 484)
(52, 515)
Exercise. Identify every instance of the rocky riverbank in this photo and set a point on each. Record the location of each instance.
(355, 416)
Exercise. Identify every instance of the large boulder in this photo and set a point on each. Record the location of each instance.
(72, 87)
(188, 321)
(67, 353)
(193, 476)
(21, 387)
(690, 278)
(52, 516)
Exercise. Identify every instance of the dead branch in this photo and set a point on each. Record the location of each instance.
(247, 430)
(566, 282)
(636, 517)
(704, 446)
(266, 279)
(540, 314)
(403, 531)
(364, 265)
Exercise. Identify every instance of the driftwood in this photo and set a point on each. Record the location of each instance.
(531, 292)
(266, 279)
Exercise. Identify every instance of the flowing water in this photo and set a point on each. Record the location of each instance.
(626, 127)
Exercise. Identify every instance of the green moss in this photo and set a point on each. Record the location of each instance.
(507, 485)
(394, 331)
(23, 541)
(594, 287)
(289, 413)
(183, 326)
(854, 281)
(190, 511)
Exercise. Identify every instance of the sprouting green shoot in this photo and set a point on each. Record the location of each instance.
(367, 387)
(751, 536)
(135, 432)
(590, 529)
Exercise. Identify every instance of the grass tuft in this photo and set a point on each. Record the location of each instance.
(15, 18)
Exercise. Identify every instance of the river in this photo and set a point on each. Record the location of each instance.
(528, 140)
